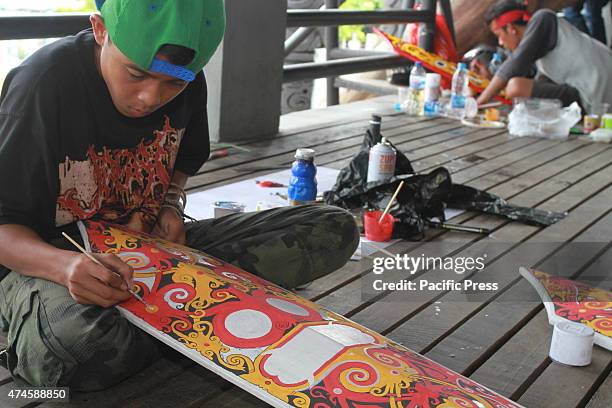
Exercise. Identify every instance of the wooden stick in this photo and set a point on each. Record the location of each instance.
(391, 202)
(93, 259)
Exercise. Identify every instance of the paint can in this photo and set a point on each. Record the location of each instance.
(572, 344)
(223, 208)
(591, 122)
(381, 164)
(606, 121)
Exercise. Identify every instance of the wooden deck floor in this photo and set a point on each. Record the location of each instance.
(497, 342)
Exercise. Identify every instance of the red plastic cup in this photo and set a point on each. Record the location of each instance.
(375, 231)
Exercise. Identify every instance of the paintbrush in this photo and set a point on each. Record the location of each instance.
(87, 254)
(391, 202)
(460, 228)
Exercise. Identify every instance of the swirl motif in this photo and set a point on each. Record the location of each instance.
(137, 260)
(356, 376)
(176, 294)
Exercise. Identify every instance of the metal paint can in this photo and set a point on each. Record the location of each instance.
(223, 208)
(606, 121)
(591, 122)
(381, 164)
(572, 344)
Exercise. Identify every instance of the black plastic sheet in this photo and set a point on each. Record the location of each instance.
(423, 197)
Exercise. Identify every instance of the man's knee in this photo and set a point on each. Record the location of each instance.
(341, 227)
(61, 343)
(99, 348)
(519, 88)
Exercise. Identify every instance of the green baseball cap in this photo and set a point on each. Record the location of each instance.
(140, 27)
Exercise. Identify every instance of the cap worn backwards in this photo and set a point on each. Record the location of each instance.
(139, 28)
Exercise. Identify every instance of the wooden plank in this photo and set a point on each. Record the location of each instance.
(227, 393)
(433, 323)
(522, 357)
(483, 333)
(154, 377)
(588, 157)
(380, 315)
(284, 156)
(270, 146)
(234, 398)
(563, 386)
(603, 396)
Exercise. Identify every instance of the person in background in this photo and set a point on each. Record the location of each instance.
(591, 22)
(577, 66)
(479, 59)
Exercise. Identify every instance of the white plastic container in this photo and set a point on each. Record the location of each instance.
(572, 344)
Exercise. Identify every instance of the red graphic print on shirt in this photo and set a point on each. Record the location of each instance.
(119, 185)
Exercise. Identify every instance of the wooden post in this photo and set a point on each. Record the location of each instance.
(331, 42)
(428, 30)
(244, 76)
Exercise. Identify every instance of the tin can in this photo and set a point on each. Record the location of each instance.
(223, 208)
(591, 122)
(606, 121)
(572, 344)
(381, 164)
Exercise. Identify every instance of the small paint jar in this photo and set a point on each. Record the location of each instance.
(572, 344)
(223, 208)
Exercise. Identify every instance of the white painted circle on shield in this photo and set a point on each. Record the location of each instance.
(286, 306)
(248, 324)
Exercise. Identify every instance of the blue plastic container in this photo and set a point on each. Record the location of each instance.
(303, 182)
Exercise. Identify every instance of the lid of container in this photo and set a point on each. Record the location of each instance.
(375, 119)
(432, 80)
(575, 329)
(305, 154)
(462, 65)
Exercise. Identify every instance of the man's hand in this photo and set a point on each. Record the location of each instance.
(90, 283)
(169, 226)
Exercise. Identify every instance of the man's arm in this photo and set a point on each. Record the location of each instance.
(495, 86)
(24, 252)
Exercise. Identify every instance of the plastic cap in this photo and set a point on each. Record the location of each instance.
(462, 65)
(376, 119)
(418, 64)
(305, 154)
(496, 57)
(432, 80)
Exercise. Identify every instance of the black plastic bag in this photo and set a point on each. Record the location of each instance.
(423, 197)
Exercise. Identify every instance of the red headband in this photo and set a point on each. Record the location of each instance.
(511, 17)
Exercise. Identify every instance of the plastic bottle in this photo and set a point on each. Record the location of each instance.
(495, 63)
(417, 87)
(354, 43)
(303, 183)
(459, 89)
(432, 94)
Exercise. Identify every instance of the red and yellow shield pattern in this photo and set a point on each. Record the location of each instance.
(284, 349)
(579, 302)
(435, 63)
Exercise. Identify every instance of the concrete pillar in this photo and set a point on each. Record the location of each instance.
(244, 77)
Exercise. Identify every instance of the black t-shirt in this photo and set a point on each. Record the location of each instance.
(67, 154)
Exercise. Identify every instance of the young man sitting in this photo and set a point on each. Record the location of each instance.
(108, 124)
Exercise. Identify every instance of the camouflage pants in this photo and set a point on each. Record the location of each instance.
(53, 341)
